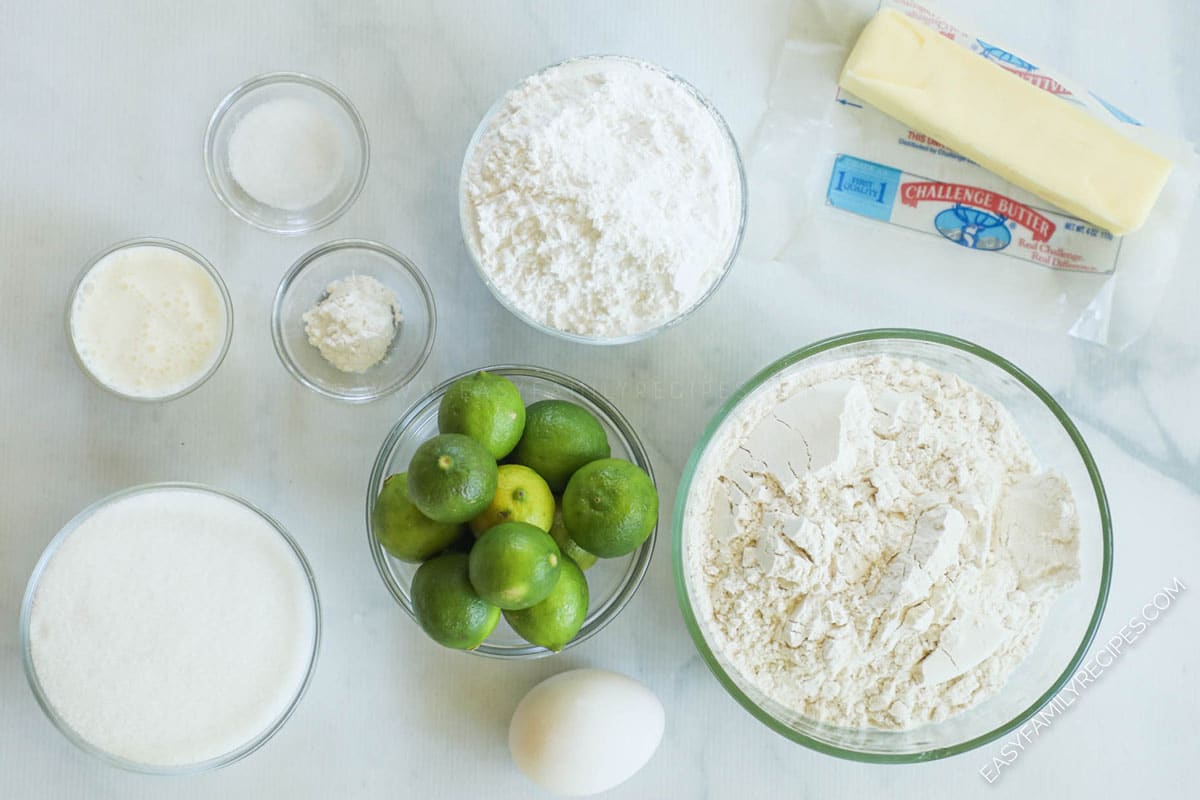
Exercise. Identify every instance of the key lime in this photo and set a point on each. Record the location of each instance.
(555, 621)
(447, 606)
(559, 438)
(486, 407)
(568, 546)
(521, 496)
(451, 478)
(514, 565)
(403, 530)
(610, 507)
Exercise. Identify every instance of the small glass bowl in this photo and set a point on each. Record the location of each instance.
(611, 582)
(598, 63)
(304, 286)
(135, 766)
(1073, 618)
(273, 86)
(184, 250)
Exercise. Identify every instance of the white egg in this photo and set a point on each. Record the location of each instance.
(585, 731)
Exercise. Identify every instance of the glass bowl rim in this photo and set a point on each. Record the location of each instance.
(833, 343)
(129, 765)
(643, 554)
(304, 79)
(183, 250)
(401, 262)
(735, 248)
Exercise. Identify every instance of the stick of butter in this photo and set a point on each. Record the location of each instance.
(1027, 136)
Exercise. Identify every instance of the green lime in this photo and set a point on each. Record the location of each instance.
(610, 507)
(451, 478)
(555, 621)
(514, 565)
(447, 607)
(569, 547)
(521, 496)
(403, 530)
(559, 438)
(486, 407)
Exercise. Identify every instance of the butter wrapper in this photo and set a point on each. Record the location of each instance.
(955, 234)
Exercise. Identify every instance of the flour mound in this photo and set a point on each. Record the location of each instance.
(876, 544)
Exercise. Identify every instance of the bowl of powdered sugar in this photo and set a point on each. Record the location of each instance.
(602, 199)
(892, 546)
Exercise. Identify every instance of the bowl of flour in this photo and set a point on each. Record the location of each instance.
(892, 546)
(602, 199)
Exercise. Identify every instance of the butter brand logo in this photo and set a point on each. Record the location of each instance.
(974, 212)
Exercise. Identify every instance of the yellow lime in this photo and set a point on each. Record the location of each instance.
(521, 496)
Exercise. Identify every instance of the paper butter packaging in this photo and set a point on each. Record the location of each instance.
(961, 235)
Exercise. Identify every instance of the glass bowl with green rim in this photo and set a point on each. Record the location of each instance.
(612, 582)
(591, 64)
(1070, 624)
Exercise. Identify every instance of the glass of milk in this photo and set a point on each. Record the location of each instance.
(170, 628)
(149, 319)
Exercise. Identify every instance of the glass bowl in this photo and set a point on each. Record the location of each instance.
(321, 95)
(1073, 617)
(611, 582)
(157, 769)
(184, 250)
(304, 286)
(598, 63)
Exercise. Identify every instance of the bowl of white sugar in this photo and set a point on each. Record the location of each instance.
(286, 152)
(170, 628)
(353, 320)
(602, 200)
(892, 546)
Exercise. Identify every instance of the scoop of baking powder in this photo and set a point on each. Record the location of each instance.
(354, 324)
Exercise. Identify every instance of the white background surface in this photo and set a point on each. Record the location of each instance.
(102, 113)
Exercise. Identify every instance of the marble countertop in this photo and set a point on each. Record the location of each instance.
(104, 111)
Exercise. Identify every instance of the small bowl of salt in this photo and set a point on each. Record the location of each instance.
(286, 152)
(353, 320)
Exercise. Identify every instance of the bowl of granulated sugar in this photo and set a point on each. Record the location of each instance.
(602, 200)
(286, 152)
(170, 628)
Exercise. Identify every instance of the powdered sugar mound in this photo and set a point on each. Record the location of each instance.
(603, 199)
(875, 543)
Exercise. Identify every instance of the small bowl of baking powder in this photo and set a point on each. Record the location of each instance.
(602, 199)
(353, 320)
(286, 152)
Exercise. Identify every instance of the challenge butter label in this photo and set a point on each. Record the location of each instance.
(971, 216)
